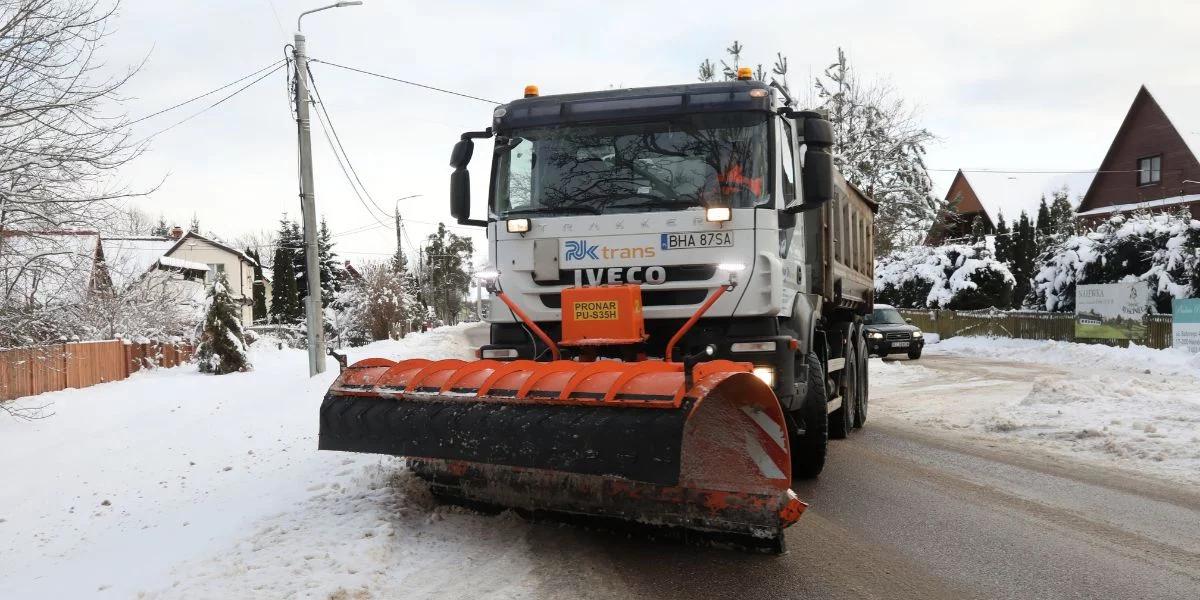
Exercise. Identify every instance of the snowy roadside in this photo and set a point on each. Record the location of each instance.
(175, 484)
(1134, 408)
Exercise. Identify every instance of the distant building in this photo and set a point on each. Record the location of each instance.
(1151, 163)
(236, 265)
(962, 208)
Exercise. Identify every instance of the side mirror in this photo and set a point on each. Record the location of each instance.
(818, 177)
(460, 157)
(460, 195)
(908, 321)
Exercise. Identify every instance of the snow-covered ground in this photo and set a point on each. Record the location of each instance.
(174, 484)
(1136, 408)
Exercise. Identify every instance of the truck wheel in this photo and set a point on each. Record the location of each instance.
(864, 386)
(841, 421)
(809, 426)
(914, 354)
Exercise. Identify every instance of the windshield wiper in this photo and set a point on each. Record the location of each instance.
(660, 203)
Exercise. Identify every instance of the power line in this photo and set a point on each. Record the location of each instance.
(205, 94)
(406, 82)
(277, 66)
(1038, 171)
(324, 111)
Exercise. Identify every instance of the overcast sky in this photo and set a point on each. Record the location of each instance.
(1003, 85)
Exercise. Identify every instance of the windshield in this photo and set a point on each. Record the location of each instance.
(686, 161)
(886, 316)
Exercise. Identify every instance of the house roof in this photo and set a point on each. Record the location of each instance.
(1184, 117)
(48, 266)
(192, 234)
(171, 262)
(128, 258)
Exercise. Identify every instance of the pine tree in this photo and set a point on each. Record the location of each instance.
(260, 288)
(1003, 241)
(222, 345)
(194, 227)
(161, 229)
(286, 304)
(331, 282)
(1024, 253)
(978, 229)
(1062, 215)
(295, 241)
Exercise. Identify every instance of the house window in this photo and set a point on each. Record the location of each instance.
(1149, 170)
(214, 269)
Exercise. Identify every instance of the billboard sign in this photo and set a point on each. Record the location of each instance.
(1112, 311)
(1185, 324)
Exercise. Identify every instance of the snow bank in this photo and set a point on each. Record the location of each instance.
(1135, 408)
(173, 484)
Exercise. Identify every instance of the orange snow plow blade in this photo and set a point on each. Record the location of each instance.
(631, 441)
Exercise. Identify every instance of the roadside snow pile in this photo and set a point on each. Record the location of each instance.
(1069, 355)
(175, 484)
(1162, 250)
(955, 276)
(1135, 408)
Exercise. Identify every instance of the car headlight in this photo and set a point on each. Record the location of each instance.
(875, 335)
(917, 333)
(766, 374)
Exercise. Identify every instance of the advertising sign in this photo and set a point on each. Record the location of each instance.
(1112, 311)
(1185, 324)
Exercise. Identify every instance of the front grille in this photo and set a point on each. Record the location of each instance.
(649, 298)
(674, 273)
(904, 335)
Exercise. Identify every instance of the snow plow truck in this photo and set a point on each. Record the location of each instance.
(677, 278)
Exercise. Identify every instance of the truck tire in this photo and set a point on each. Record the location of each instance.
(864, 384)
(841, 421)
(809, 426)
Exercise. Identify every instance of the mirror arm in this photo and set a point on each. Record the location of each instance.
(477, 135)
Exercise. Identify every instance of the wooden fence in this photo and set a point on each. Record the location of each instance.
(1027, 326)
(39, 369)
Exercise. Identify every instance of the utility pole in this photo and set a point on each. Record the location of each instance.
(308, 204)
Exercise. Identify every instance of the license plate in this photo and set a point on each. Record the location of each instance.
(595, 310)
(700, 239)
(900, 344)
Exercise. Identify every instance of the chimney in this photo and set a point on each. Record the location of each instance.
(176, 232)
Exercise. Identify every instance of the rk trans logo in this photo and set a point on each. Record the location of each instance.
(582, 250)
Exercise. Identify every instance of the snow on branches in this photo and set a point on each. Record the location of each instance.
(222, 345)
(1160, 249)
(954, 276)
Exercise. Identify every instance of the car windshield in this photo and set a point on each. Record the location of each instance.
(684, 161)
(885, 316)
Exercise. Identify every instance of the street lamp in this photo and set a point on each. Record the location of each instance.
(308, 203)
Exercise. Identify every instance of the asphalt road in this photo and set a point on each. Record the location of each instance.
(901, 513)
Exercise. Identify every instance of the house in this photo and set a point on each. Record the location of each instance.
(238, 268)
(1151, 163)
(988, 195)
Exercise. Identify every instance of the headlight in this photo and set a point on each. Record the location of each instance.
(917, 333)
(875, 335)
(517, 225)
(717, 214)
(768, 346)
(766, 374)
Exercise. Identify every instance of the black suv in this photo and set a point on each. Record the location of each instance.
(889, 333)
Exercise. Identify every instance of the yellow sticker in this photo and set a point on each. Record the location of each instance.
(595, 310)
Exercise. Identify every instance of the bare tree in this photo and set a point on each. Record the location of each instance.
(879, 145)
(59, 147)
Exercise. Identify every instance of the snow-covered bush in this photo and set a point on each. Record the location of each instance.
(954, 276)
(1160, 249)
(222, 345)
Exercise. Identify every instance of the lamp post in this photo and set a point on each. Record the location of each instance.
(308, 202)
